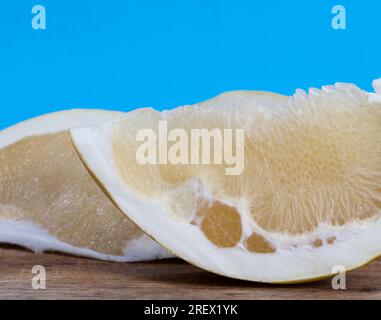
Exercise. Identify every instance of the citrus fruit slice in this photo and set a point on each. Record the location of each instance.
(287, 188)
(49, 201)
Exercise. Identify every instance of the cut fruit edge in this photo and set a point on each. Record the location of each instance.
(30, 235)
(362, 240)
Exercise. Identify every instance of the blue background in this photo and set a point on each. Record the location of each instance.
(163, 53)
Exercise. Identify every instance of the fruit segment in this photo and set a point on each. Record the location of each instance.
(49, 201)
(282, 189)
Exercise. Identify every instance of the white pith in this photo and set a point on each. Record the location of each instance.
(33, 237)
(55, 122)
(295, 259)
(29, 234)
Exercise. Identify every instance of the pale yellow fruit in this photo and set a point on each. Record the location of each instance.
(49, 201)
(307, 201)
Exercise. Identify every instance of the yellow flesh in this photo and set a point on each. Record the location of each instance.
(42, 180)
(308, 162)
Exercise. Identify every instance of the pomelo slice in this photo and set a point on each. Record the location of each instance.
(307, 201)
(49, 201)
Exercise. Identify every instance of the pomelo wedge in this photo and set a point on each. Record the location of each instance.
(49, 201)
(307, 201)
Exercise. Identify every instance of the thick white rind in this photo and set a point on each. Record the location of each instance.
(362, 244)
(32, 236)
(55, 122)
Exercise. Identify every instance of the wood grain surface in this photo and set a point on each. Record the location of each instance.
(70, 277)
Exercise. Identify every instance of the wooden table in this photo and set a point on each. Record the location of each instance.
(78, 278)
